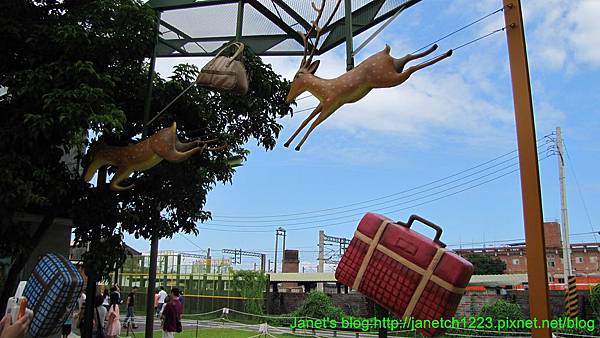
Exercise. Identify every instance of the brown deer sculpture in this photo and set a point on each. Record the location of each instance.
(144, 155)
(380, 70)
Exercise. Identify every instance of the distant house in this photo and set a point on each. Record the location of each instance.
(584, 256)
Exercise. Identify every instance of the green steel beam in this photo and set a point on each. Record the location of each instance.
(259, 44)
(348, 15)
(363, 18)
(293, 14)
(240, 21)
(170, 46)
(276, 20)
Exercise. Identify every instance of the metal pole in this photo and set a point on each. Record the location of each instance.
(240, 21)
(349, 45)
(276, 240)
(567, 268)
(528, 160)
(320, 267)
(283, 252)
(154, 242)
(321, 250)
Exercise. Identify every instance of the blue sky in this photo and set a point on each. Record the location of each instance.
(449, 117)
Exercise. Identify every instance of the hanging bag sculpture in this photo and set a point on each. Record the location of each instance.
(226, 73)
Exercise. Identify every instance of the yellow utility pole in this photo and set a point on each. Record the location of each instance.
(528, 160)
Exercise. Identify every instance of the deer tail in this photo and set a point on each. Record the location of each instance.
(387, 48)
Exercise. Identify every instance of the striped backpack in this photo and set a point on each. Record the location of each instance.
(52, 291)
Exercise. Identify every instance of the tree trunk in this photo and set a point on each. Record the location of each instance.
(12, 279)
(90, 299)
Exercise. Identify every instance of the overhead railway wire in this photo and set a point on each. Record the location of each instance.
(228, 227)
(325, 211)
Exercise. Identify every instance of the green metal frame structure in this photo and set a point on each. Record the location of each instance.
(195, 28)
(269, 27)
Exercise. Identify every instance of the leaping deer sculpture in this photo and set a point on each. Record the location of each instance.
(380, 70)
(144, 155)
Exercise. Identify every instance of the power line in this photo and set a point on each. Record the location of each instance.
(389, 212)
(318, 211)
(377, 209)
(381, 203)
(572, 168)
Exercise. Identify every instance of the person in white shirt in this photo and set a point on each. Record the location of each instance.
(162, 294)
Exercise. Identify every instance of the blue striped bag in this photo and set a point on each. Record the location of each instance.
(52, 291)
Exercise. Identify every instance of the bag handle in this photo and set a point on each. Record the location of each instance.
(437, 228)
(236, 55)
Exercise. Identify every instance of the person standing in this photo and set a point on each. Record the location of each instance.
(162, 294)
(106, 298)
(113, 325)
(99, 317)
(172, 315)
(156, 302)
(130, 304)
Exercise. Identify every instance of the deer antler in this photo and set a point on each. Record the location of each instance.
(318, 29)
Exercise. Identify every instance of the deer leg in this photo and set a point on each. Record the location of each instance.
(121, 175)
(401, 62)
(185, 146)
(92, 168)
(177, 156)
(304, 123)
(318, 121)
(413, 69)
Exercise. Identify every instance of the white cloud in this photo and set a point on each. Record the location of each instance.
(565, 33)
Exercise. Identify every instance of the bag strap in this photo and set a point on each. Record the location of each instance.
(240, 48)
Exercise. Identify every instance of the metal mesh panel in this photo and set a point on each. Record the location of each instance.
(204, 21)
(256, 24)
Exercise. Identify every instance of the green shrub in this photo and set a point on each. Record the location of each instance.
(318, 305)
(502, 310)
(595, 300)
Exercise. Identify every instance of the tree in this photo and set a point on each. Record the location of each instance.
(486, 264)
(77, 67)
(60, 82)
(251, 285)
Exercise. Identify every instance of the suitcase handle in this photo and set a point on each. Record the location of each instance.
(437, 228)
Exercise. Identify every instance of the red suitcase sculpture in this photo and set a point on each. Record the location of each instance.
(403, 271)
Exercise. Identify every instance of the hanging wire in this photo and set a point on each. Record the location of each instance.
(466, 44)
(460, 29)
(479, 38)
(580, 194)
